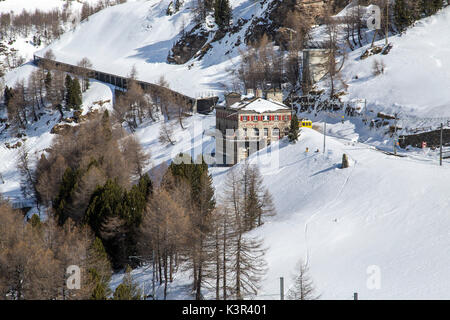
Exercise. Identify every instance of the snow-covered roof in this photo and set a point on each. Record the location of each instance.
(259, 105)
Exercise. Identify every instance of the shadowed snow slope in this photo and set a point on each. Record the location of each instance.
(385, 211)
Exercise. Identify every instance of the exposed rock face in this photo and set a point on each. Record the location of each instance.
(275, 18)
(314, 9)
(186, 48)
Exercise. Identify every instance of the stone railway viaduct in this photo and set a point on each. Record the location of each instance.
(201, 105)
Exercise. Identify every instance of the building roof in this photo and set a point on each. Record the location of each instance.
(259, 105)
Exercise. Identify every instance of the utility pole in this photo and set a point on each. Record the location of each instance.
(395, 135)
(440, 151)
(324, 135)
(281, 288)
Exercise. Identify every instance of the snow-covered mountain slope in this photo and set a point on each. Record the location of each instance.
(25, 45)
(416, 80)
(383, 211)
(141, 34)
(383, 216)
(194, 139)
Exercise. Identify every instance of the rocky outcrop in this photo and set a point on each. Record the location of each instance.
(274, 19)
(194, 44)
(188, 46)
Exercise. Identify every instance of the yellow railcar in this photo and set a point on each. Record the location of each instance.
(305, 123)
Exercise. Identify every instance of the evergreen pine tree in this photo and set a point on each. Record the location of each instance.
(203, 204)
(115, 215)
(106, 201)
(430, 7)
(73, 93)
(8, 94)
(128, 289)
(100, 272)
(76, 97)
(68, 185)
(68, 85)
(222, 13)
(402, 14)
(293, 129)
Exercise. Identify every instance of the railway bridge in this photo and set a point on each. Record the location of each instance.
(201, 105)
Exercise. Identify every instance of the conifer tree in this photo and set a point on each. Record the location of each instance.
(115, 214)
(76, 98)
(8, 94)
(430, 7)
(100, 272)
(203, 204)
(222, 13)
(293, 129)
(68, 96)
(35, 221)
(68, 184)
(73, 93)
(402, 14)
(105, 202)
(128, 289)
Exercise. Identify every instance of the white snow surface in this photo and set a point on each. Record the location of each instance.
(383, 211)
(383, 215)
(24, 44)
(259, 105)
(416, 81)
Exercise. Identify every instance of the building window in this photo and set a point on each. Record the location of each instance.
(266, 118)
(245, 132)
(276, 132)
(255, 118)
(256, 132)
(266, 132)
